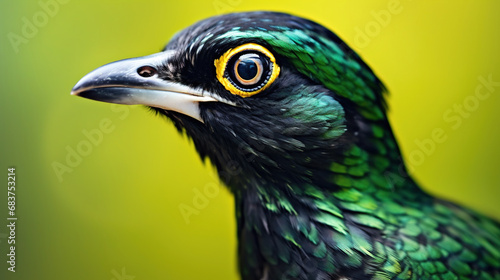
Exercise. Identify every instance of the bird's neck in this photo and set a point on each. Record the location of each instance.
(367, 169)
(284, 224)
(357, 173)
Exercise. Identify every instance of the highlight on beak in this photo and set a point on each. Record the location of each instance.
(136, 81)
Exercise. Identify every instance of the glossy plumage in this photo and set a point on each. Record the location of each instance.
(321, 190)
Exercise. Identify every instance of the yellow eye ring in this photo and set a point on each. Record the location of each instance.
(247, 69)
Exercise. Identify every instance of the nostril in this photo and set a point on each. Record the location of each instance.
(146, 71)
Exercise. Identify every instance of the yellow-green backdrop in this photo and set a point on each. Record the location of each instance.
(111, 211)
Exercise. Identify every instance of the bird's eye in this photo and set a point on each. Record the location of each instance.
(247, 69)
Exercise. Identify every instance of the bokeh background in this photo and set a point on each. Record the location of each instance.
(107, 206)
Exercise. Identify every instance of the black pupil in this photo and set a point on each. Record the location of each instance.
(247, 69)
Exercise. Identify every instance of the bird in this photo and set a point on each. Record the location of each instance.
(295, 123)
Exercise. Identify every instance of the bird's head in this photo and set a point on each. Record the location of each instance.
(266, 96)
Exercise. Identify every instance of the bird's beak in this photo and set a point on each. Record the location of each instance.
(136, 81)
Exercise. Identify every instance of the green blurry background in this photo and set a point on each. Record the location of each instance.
(114, 213)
